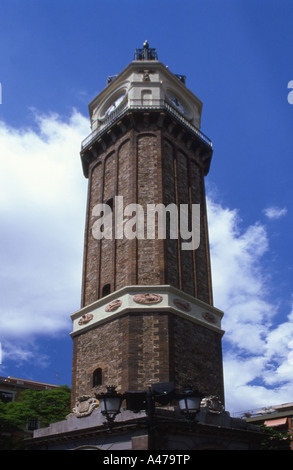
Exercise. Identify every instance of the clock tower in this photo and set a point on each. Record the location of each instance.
(147, 313)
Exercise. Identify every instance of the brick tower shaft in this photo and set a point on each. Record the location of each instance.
(146, 166)
(147, 312)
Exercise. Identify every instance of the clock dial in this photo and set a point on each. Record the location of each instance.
(177, 103)
(114, 105)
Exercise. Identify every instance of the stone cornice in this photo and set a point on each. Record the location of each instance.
(143, 118)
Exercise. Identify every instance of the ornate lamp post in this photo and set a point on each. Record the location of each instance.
(110, 403)
(189, 403)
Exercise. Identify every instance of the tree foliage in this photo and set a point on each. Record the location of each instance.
(47, 406)
(275, 440)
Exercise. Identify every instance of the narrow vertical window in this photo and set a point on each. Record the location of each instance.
(106, 290)
(97, 377)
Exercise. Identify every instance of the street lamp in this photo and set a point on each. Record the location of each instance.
(110, 403)
(189, 403)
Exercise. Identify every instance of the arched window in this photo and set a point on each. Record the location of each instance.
(97, 377)
(106, 290)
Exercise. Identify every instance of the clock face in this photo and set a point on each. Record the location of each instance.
(177, 103)
(114, 105)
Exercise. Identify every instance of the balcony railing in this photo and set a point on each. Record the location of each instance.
(145, 104)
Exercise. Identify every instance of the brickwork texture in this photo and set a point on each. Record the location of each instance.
(146, 165)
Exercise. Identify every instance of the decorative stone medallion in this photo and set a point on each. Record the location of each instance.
(112, 306)
(213, 404)
(147, 298)
(209, 317)
(87, 317)
(84, 406)
(182, 304)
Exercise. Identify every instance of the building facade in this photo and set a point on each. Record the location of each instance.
(11, 389)
(279, 418)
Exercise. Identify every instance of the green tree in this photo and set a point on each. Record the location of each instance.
(47, 406)
(275, 440)
(7, 428)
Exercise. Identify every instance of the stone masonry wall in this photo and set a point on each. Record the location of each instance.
(137, 350)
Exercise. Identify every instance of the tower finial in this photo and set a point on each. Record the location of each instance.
(146, 53)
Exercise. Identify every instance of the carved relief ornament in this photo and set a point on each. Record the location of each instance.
(209, 317)
(213, 404)
(87, 317)
(112, 306)
(85, 406)
(147, 298)
(182, 304)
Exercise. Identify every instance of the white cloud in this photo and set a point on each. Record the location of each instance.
(257, 361)
(238, 280)
(22, 354)
(244, 388)
(275, 213)
(42, 204)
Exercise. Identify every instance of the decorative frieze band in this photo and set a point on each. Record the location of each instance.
(138, 298)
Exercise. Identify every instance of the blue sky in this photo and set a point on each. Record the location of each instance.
(55, 57)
